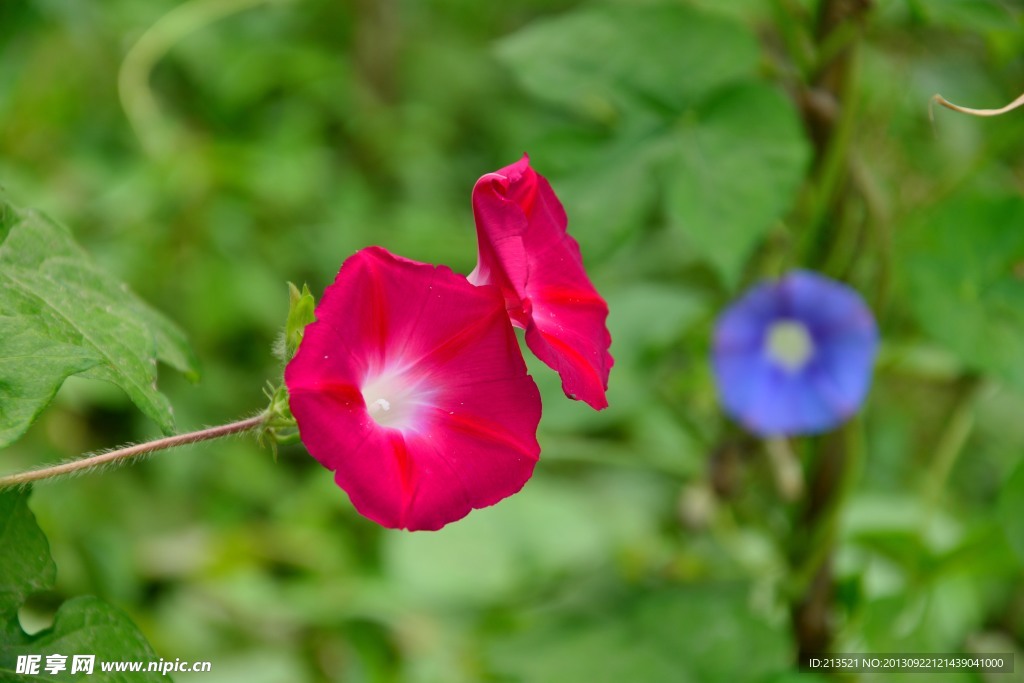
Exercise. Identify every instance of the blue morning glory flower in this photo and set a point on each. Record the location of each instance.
(795, 355)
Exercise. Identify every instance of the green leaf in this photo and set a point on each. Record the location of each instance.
(82, 626)
(25, 564)
(608, 183)
(730, 169)
(735, 169)
(724, 151)
(32, 366)
(589, 60)
(703, 632)
(61, 315)
(963, 281)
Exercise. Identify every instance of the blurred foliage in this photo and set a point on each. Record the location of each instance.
(697, 146)
(82, 625)
(664, 127)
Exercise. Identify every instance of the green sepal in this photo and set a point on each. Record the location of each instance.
(301, 306)
(279, 426)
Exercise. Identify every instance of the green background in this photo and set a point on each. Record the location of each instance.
(698, 147)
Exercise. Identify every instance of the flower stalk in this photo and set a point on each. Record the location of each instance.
(123, 454)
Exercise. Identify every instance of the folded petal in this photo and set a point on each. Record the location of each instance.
(411, 387)
(525, 250)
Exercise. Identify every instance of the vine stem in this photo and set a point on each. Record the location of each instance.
(939, 99)
(120, 454)
(137, 99)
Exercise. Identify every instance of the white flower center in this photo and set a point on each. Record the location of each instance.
(789, 344)
(391, 401)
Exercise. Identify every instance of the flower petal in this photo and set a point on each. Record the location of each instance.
(440, 357)
(525, 250)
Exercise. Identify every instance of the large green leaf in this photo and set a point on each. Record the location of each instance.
(704, 632)
(962, 264)
(698, 130)
(82, 626)
(62, 315)
(735, 169)
(608, 58)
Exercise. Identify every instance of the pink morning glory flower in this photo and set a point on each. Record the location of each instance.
(411, 387)
(795, 356)
(525, 250)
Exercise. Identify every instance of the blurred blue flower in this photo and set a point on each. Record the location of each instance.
(795, 356)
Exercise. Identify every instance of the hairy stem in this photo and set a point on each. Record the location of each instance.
(127, 452)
